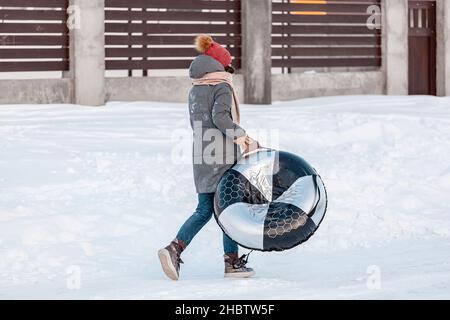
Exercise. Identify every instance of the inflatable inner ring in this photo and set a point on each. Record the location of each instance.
(270, 201)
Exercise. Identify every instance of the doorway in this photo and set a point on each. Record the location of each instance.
(422, 47)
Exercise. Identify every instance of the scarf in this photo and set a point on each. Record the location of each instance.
(215, 78)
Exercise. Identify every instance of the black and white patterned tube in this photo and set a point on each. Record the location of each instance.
(270, 201)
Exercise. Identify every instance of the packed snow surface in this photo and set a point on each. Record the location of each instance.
(88, 196)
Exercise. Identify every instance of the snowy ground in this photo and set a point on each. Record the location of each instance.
(88, 195)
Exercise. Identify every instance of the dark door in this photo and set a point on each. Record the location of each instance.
(422, 47)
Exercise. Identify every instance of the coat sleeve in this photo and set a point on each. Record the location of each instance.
(221, 113)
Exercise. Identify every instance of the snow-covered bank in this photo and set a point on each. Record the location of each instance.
(94, 192)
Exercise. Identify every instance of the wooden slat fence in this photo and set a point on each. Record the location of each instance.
(316, 34)
(33, 35)
(159, 34)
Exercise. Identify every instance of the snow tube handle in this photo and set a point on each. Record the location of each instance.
(260, 148)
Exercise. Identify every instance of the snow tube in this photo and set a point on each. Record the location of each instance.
(270, 201)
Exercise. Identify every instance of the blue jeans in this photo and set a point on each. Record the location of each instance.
(201, 216)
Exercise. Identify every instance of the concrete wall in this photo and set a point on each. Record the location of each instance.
(395, 36)
(87, 54)
(444, 82)
(446, 54)
(284, 86)
(175, 89)
(304, 85)
(440, 48)
(256, 50)
(166, 89)
(443, 47)
(36, 91)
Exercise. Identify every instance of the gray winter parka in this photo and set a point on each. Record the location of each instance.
(214, 131)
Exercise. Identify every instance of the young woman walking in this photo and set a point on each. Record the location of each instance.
(219, 141)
